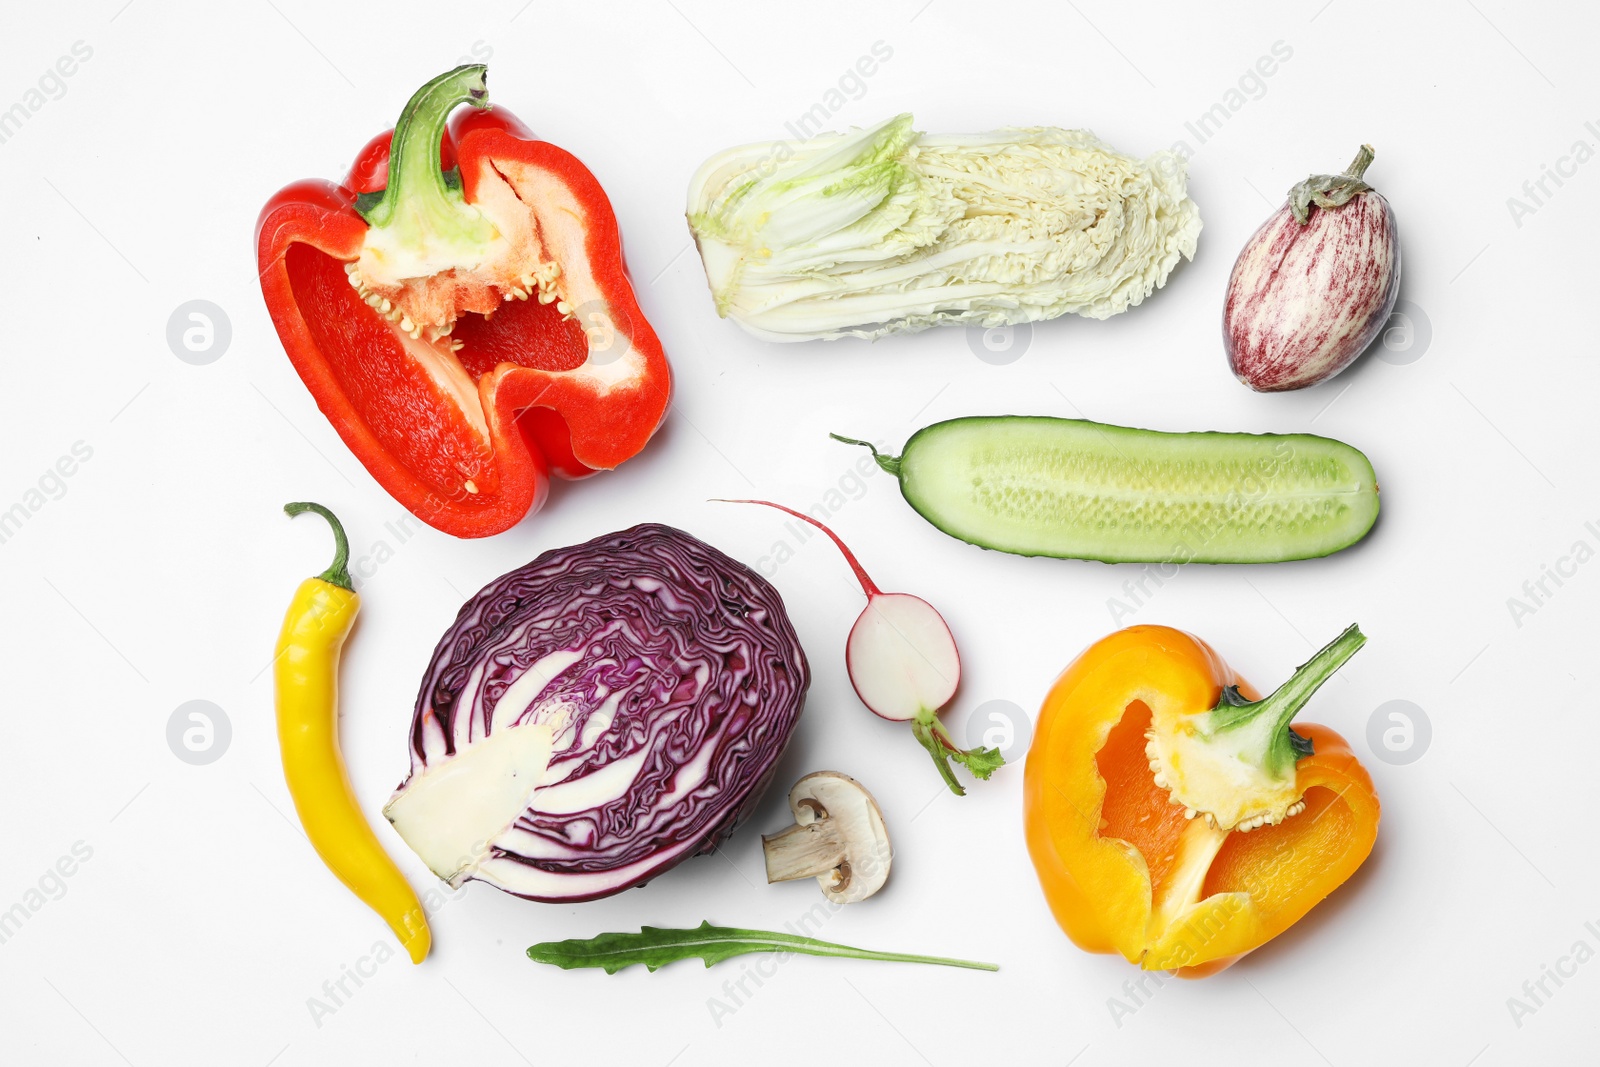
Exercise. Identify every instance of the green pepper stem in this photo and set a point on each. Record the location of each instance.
(415, 181)
(1284, 746)
(888, 463)
(338, 573)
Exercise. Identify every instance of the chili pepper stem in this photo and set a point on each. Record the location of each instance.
(338, 572)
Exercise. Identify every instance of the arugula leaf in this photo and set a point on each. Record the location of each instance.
(655, 947)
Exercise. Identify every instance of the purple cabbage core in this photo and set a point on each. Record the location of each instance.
(681, 682)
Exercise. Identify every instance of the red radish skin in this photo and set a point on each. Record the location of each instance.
(903, 664)
(1305, 299)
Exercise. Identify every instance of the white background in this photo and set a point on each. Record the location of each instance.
(203, 923)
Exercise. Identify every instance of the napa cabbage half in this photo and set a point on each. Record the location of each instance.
(884, 230)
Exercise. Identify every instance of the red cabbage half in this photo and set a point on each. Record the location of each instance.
(599, 715)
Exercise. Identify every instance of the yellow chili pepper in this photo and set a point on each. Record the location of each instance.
(307, 675)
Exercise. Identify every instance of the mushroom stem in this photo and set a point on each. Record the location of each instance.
(804, 851)
(838, 838)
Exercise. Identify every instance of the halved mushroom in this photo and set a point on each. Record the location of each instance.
(838, 838)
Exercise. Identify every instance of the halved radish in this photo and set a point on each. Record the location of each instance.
(904, 665)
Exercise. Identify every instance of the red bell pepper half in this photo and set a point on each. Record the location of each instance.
(460, 311)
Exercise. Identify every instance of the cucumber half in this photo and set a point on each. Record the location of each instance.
(1040, 486)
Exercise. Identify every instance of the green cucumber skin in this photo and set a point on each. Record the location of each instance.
(1256, 480)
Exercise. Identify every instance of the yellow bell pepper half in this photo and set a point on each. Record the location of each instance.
(1176, 818)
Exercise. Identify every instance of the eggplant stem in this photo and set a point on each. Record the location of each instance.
(1358, 166)
(1329, 191)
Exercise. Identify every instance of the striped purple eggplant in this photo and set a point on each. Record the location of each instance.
(1315, 284)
